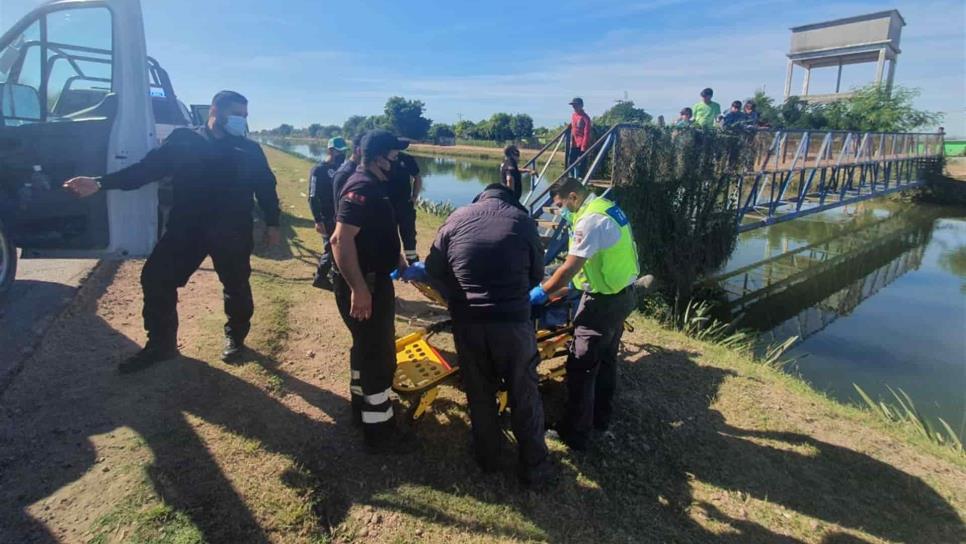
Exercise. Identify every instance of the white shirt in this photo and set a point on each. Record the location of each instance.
(594, 232)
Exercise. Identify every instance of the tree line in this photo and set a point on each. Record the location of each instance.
(872, 108)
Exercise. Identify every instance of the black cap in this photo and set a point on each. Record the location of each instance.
(577, 101)
(707, 92)
(377, 143)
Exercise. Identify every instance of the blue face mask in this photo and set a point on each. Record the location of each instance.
(236, 125)
(567, 215)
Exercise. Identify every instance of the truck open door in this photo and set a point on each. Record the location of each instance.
(75, 99)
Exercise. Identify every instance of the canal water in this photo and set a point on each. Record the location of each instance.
(875, 293)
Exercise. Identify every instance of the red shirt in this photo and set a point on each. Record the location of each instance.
(580, 130)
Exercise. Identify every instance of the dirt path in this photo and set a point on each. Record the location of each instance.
(708, 446)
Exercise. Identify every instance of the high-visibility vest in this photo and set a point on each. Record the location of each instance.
(612, 269)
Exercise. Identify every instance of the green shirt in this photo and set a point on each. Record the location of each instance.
(705, 114)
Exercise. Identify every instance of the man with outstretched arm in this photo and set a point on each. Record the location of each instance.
(602, 262)
(367, 250)
(215, 170)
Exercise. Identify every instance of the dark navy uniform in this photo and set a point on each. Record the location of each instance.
(364, 203)
(404, 169)
(322, 204)
(212, 182)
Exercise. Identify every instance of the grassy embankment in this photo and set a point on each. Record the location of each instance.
(709, 445)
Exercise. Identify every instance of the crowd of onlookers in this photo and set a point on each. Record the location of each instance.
(707, 114)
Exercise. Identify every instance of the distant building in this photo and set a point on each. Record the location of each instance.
(854, 40)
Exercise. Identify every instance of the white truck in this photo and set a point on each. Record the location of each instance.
(79, 96)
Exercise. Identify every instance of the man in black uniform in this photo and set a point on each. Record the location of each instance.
(405, 184)
(366, 249)
(323, 206)
(347, 169)
(488, 255)
(215, 170)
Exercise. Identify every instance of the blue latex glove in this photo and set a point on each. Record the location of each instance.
(538, 296)
(416, 272)
(394, 274)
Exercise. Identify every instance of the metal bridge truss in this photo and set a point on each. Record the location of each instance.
(812, 286)
(828, 169)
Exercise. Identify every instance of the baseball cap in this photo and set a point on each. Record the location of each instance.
(379, 142)
(577, 101)
(337, 143)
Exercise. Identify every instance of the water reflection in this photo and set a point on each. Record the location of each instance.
(874, 293)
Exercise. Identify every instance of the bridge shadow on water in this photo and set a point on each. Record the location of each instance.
(637, 486)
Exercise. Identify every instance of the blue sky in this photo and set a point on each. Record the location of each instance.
(320, 61)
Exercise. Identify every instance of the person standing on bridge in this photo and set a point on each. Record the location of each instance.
(706, 111)
(322, 204)
(602, 262)
(405, 184)
(581, 136)
(215, 170)
(510, 172)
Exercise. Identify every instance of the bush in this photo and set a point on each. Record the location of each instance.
(676, 188)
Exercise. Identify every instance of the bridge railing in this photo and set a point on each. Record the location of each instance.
(799, 172)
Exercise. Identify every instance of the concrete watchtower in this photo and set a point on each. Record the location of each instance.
(854, 40)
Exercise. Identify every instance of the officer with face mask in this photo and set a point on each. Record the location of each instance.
(214, 172)
(367, 249)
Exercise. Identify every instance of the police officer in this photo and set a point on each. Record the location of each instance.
(601, 262)
(366, 249)
(214, 171)
(405, 184)
(488, 255)
(323, 206)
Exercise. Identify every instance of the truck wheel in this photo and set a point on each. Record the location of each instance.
(8, 260)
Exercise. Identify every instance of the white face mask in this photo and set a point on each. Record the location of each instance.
(236, 125)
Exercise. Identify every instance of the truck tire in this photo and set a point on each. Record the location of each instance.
(8, 261)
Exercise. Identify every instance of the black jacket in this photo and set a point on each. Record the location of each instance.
(488, 256)
(213, 180)
(321, 200)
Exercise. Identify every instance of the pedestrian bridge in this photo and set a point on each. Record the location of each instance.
(793, 173)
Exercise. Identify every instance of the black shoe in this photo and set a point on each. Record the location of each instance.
(322, 281)
(573, 440)
(540, 477)
(396, 442)
(152, 353)
(234, 350)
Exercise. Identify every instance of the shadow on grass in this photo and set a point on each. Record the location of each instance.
(635, 485)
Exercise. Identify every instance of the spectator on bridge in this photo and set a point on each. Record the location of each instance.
(706, 111)
(581, 132)
(735, 117)
(511, 174)
(751, 115)
(684, 120)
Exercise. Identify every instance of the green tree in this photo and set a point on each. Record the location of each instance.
(768, 113)
(875, 109)
(440, 131)
(329, 131)
(358, 124)
(405, 117)
(315, 130)
(623, 112)
(500, 127)
(522, 126)
(464, 129)
(284, 129)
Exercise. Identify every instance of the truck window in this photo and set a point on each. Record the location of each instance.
(59, 66)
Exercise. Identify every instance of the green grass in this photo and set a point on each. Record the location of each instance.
(144, 518)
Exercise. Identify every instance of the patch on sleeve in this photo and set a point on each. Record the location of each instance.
(578, 236)
(618, 215)
(355, 198)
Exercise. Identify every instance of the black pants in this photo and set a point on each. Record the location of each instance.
(372, 359)
(178, 255)
(577, 168)
(406, 217)
(324, 269)
(592, 363)
(493, 356)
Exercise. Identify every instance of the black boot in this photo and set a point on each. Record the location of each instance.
(234, 350)
(153, 352)
(539, 477)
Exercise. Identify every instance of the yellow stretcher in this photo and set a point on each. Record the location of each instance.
(421, 368)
